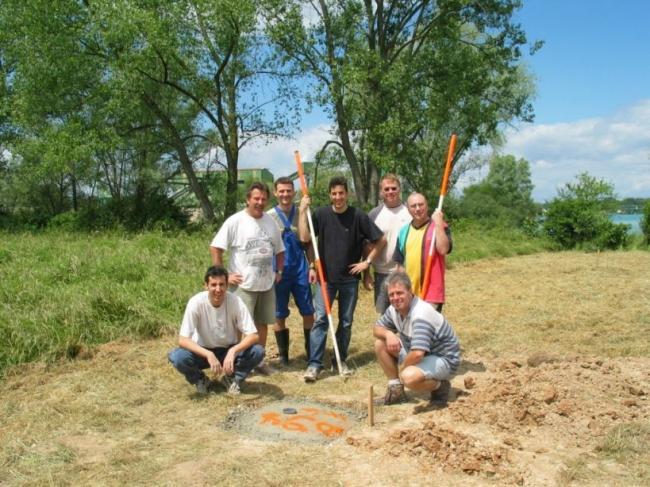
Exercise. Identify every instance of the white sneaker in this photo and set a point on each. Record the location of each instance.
(311, 374)
(234, 389)
(345, 370)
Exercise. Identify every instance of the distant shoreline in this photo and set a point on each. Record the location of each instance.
(632, 219)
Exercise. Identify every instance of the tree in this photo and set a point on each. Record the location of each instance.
(505, 194)
(191, 76)
(398, 78)
(645, 222)
(577, 217)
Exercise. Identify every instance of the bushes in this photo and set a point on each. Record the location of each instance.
(578, 216)
(155, 211)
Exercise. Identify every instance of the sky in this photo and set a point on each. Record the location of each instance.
(592, 107)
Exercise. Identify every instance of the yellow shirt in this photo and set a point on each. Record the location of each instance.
(413, 251)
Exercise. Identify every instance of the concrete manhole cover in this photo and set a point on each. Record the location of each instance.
(293, 421)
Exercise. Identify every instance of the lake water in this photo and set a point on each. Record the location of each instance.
(633, 219)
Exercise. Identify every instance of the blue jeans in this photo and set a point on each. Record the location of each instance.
(381, 293)
(191, 365)
(347, 295)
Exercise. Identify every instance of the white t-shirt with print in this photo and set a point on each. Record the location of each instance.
(252, 243)
(389, 221)
(213, 327)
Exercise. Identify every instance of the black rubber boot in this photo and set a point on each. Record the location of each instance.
(282, 337)
(307, 342)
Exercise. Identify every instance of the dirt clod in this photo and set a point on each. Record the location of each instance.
(540, 358)
(565, 408)
(549, 393)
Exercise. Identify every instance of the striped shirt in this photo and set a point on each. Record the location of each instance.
(423, 328)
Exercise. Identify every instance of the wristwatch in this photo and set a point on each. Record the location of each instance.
(368, 261)
(279, 271)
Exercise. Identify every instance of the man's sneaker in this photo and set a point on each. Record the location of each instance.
(203, 385)
(394, 395)
(441, 394)
(311, 374)
(345, 370)
(235, 388)
(231, 384)
(265, 369)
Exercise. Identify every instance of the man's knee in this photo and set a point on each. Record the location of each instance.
(380, 346)
(177, 356)
(254, 353)
(411, 376)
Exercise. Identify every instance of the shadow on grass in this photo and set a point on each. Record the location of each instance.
(467, 366)
(248, 389)
(454, 394)
(358, 360)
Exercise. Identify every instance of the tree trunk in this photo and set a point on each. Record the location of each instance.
(73, 183)
(183, 156)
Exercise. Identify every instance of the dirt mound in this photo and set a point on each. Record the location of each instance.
(521, 412)
(575, 396)
(447, 449)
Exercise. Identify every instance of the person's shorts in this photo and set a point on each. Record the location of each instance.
(432, 366)
(301, 291)
(260, 304)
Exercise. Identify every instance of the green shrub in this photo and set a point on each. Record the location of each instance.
(577, 218)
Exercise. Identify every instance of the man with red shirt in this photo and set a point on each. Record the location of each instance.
(413, 245)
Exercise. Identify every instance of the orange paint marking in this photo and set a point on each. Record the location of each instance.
(309, 420)
(328, 429)
(272, 418)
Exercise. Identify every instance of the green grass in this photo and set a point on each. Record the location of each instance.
(473, 241)
(64, 292)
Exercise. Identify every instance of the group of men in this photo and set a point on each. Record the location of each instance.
(271, 257)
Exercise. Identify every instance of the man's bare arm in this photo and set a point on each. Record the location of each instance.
(442, 241)
(217, 255)
(303, 225)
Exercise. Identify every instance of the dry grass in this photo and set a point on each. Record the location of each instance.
(124, 416)
(565, 303)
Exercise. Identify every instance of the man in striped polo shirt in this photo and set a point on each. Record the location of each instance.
(414, 344)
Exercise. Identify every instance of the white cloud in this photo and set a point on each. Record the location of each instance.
(277, 156)
(615, 148)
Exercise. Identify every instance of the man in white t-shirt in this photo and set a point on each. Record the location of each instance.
(253, 239)
(217, 333)
(390, 216)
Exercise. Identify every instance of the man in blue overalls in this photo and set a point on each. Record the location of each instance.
(298, 272)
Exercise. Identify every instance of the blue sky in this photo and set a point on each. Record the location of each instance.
(592, 105)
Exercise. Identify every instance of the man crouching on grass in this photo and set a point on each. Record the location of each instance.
(209, 338)
(415, 345)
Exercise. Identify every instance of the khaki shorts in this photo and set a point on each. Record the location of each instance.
(260, 304)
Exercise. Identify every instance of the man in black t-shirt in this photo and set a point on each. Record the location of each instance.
(341, 231)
